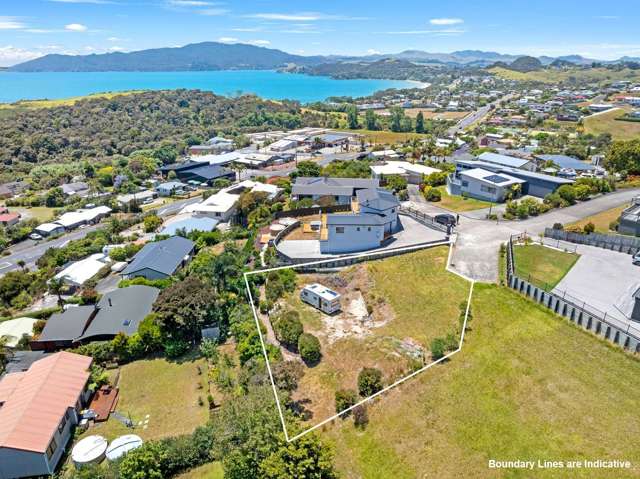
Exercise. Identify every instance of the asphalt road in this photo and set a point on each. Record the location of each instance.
(477, 115)
(29, 250)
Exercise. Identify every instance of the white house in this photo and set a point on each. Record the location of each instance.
(413, 173)
(321, 297)
(487, 185)
(79, 272)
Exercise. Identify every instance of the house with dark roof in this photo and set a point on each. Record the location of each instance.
(342, 190)
(199, 171)
(119, 311)
(39, 409)
(630, 219)
(160, 259)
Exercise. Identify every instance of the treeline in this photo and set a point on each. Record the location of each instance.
(100, 128)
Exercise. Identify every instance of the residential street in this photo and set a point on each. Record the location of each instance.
(476, 250)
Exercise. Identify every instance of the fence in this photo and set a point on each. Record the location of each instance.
(577, 311)
(423, 218)
(316, 210)
(622, 244)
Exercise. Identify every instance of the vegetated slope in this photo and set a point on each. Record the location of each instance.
(389, 69)
(194, 57)
(104, 127)
(526, 385)
(567, 75)
(607, 122)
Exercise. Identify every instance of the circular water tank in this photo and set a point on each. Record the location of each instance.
(89, 450)
(121, 445)
(276, 228)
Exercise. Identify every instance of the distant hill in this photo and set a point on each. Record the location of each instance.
(193, 57)
(526, 64)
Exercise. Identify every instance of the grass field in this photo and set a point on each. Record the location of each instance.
(526, 385)
(386, 137)
(606, 123)
(395, 338)
(166, 391)
(212, 470)
(430, 114)
(41, 213)
(555, 76)
(545, 266)
(459, 203)
(32, 104)
(601, 220)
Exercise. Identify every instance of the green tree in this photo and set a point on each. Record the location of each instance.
(624, 157)
(345, 398)
(55, 197)
(369, 381)
(146, 462)
(288, 329)
(438, 347)
(420, 123)
(352, 117)
(151, 223)
(305, 458)
(308, 169)
(397, 117)
(309, 348)
(370, 120)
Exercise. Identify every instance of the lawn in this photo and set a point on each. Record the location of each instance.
(601, 220)
(459, 203)
(213, 470)
(606, 123)
(386, 137)
(41, 213)
(544, 266)
(526, 385)
(395, 338)
(166, 391)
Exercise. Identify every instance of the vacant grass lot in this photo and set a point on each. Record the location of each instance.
(601, 220)
(459, 203)
(555, 76)
(212, 470)
(401, 323)
(606, 123)
(526, 385)
(41, 213)
(386, 137)
(544, 266)
(166, 391)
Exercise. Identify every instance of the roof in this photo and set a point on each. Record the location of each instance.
(13, 329)
(188, 222)
(322, 291)
(503, 160)
(20, 361)
(162, 256)
(121, 310)
(207, 172)
(524, 174)
(68, 325)
(355, 220)
(632, 213)
(48, 227)
(401, 168)
(79, 272)
(139, 196)
(7, 217)
(332, 137)
(73, 188)
(171, 185)
(324, 186)
(221, 202)
(497, 179)
(564, 161)
(82, 216)
(377, 199)
(36, 400)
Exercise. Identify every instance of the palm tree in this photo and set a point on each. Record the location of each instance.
(21, 263)
(56, 285)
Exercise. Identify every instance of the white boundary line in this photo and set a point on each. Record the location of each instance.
(382, 391)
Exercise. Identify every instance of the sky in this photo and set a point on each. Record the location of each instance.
(592, 28)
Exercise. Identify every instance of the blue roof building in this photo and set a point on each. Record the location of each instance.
(567, 162)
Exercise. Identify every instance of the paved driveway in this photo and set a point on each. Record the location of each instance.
(603, 279)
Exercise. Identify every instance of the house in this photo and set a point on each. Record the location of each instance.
(487, 185)
(412, 172)
(374, 218)
(119, 311)
(535, 184)
(330, 139)
(188, 222)
(49, 229)
(13, 188)
(599, 107)
(508, 161)
(39, 409)
(221, 206)
(216, 144)
(384, 155)
(206, 174)
(340, 189)
(85, 216)
(171, 188)
(9, 219)
(566, 162)
(77, 273)
(630, 219)
(321, 297)
(160, 259)
(283, 145)
(141, 197)
(78, 188)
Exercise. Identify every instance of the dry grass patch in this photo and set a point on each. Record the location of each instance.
(607, 123)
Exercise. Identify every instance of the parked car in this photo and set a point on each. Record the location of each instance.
(636, 259)
(445, 219)
(35, 236)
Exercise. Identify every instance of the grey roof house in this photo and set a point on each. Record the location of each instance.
(120, 310)
(160, 259)
(630, 219)
(342, 189)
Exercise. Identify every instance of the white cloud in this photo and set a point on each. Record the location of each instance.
(372, 51)
(446, 21)
(287, 17)
(10, 55)
(11, 23)
(228, 40)
(115, 49)
(260, 43)
(75, 27)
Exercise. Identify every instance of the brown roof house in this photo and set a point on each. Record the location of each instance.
(38, 411)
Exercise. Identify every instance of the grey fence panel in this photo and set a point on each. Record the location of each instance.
(620, 243)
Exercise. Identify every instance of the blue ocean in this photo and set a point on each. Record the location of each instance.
(16, 86)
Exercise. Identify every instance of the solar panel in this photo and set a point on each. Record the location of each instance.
(496, 179)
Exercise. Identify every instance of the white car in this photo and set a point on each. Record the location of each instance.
(35, 236)
(636, 259)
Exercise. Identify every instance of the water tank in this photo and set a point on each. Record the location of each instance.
(121, 445)
(89, 450)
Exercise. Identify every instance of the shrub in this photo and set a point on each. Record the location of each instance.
(438, 347)
(209, 349)
(369, 381)
(567, 193)
(589, 228)
(174, 348)
(432, 194)
(558, 226)
(345, 398)
(360, 416)
(151, 223)
(309, 348)
(573, 229)
(287, 374)
(288, 329)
